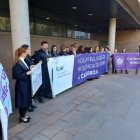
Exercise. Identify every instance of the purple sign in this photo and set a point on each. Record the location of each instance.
(126, 61)
(90, 65)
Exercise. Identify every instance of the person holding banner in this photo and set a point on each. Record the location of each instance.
(42, 55)
(54, 52)
(62, 50)
(137, 68)
(67, 50)
(81, 50)
(21, 73)
(124, 51)
(30, 64)
(73, 50)
(114, 71)
(97, 49)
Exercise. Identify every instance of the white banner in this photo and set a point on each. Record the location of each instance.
(5, 102)
(5, 96)
(36, 78)
(60, 73)
(4, 122)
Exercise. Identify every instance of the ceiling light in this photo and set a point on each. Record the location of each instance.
(90, 14)
(75, 25)
(74, 7)
(47, 18)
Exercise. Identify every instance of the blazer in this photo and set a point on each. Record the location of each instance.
(54, 54)
(41, 55)
(62, 53)
(29, 61)
(22, 86)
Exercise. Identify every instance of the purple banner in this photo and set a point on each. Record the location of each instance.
(90, 65)
(126, 61)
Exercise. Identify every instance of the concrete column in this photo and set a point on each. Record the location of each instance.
(20, 29)
(112, 34)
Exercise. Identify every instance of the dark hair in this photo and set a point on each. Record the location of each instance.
(44, 42)
(79, 50)
(86, 49)
(62, 47)
(107, 48)
(25, 46)
(52, 48)
(90, 49)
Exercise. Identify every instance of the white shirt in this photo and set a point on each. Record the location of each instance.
(22, 59)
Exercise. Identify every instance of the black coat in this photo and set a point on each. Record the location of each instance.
(62, 53)
(29, 61)
(71, 53)
(54, 54)
(23, 86)
(41, 55)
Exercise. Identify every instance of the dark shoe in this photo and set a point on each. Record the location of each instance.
(24, 120)
(48, 97)
(30, 109)
(126, 72)
(33, 106)
(41, 100)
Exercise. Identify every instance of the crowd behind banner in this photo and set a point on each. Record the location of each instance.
(22, 72)
(47, 58)
(75, 70)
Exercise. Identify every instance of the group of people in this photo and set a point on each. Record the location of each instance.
(22, 70)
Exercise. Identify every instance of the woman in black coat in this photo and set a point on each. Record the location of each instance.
(62, 50)
(30, 63)
(80, 50)
(21, 72)
(54, 52)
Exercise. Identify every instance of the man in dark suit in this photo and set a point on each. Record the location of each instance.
(42, 55)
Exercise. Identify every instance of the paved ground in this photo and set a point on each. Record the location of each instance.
(103, 109)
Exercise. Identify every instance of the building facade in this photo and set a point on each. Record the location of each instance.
(90, 23)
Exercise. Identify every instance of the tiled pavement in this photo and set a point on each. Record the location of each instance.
(103, 109)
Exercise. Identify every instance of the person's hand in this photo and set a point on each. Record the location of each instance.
(40, 62)
(32, 66)
(29, 73)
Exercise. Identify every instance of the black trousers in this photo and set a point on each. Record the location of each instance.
(125, 71)
(22, 112)
(113, 69)
(44, 91)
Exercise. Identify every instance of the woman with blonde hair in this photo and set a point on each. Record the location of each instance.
(21, 73)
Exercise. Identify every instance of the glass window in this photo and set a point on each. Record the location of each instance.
(77, 34)
(5, 24)
(50, 28)
(32, 31)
